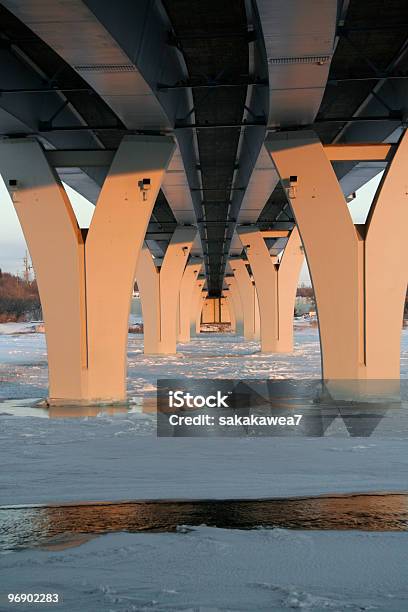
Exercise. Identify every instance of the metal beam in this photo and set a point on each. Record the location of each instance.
(70, 158)
(86, 128)
(189, 85)
(176, 41)
(205, 126)
(158, 236)
(380, 76)
(219, 222)
(275, 233)
(42, 90)
(360, 152)
(372, 28)
(393, 65)
(396, 116)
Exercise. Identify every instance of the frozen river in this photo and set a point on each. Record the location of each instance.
(117, 456)
(23, 361)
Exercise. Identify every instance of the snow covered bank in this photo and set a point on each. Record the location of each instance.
(215, 569)
(27, 327)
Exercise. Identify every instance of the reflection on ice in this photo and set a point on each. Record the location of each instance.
(71, 524)
(39, 408)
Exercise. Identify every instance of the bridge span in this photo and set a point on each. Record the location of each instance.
(220, 142)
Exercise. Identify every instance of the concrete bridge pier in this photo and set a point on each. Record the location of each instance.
(257, 322)
(159, 291)
(247, 294)
(359, 273)
(85, 277)
(186, 298)
(199, 313)
(235, 303)
(197, 302)
(231, 311)
(276, 284)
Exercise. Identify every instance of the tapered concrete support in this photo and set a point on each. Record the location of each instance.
(247, 294)
(225, 310)
(276, 285)
(85, 279)
(196, 307)
(232, 314)
(200, 313)
(186, 296)
(159, 291)
(235, 300)
(230, 311)
(197, 304)
(359, 274)
(257, 335)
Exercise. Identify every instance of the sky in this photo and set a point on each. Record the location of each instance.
(13, 245)
(358, 208)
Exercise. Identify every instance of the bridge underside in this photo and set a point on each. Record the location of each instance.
(220, 143)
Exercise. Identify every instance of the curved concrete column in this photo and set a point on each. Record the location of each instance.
(85, 279)
(197, 301)
(187, 287)
(257, 334)
(276, 284)
(232, 314)
(247, 294)
(148, 283)
(235, 300)
(225, 313)
(359, 290)
(385, 270)
(230, 311)
(199, 312)
(159, 291)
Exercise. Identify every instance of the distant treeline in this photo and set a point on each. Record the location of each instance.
(19, 299)
(308, 293)
(305, 292)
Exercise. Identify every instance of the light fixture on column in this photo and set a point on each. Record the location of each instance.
(13, 185)
(144, 186)
(291, 189)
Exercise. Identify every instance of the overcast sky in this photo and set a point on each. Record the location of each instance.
(13, 246)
